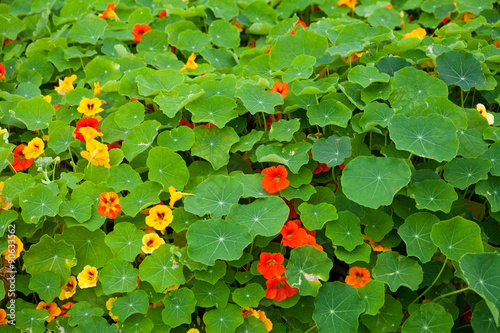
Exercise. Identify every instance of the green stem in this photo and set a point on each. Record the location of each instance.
(309, 330)
(12, 168)
(264, 121)
(75, 168)
(462, 97)
(433, 283)
(463, 326)
(370, 142)
(450, 293)
(251, 249)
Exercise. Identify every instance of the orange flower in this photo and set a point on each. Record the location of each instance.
(18, 248)
(417, 33)
(88, 277)
(65, 308)
(358, 277)
(2, 70)
(65, 85)
(349, 3)
(295, 26)
(311, 240)
(281, 88)
(3, 317)
(162, 14)
(467, 16)
(270, 265)
(20, 161)
(109, 12)
(247, 312)
(275, 179)
(278, 289)
(151, 242)
(376, 246)
(293, 236)
(190, 64)
(138, 30)
(482, 110)
(34, 149)
(160, 216)
(496, 43)
(97, 154)
(51, 308)
(109, 306)
(237, 24)
(68, 289)
(109, 205)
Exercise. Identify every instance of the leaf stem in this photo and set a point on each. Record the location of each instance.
(309, 330)
(75, 168)
(450, 293)
(432, 284)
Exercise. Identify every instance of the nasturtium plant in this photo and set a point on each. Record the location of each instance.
(250, 166)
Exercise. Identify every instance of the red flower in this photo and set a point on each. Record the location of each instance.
(185, 122)
(163, 13)
(275, 179)
(2, 70)
(20, 161)
(138, 30)
(268, 51)
(65, 308)
(109, 205)
(295, 26)
(322, 167)
(291, 205)
(273, 118)
(116, 144)
(270, 265)
(311, 240)
(8, 41)
(342, 166)
(281, 88)
(85, 122)
(293, 235)
(358, 277)
(278, 289)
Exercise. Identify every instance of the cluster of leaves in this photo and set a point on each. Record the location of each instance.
(422, 174)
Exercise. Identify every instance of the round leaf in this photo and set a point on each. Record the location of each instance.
(332, 151)
(256, 99)
(461, 68)
(38, 201)
(35, 113)
(130, 115)
(161, 269)
(217, 110)
(213, 144)
(329, 112)
(377, 225)
(372, 294)
(387, 319)
(118, 276)
(224, 34)
(208, 295)
(140, 138)
(283, 130)
(133, 302)
(433, 195)
(212, 274)
(293, 155)
(224, 320)
(430, 317)
(360, 253)
(46, 284)
(397, 270)
(462, 172)
(179, 305)
(482, 319)
(125, 241)
(123, 177)
(345, 231)
(178, 139)
(167, 168)
(416, 233)
(490, 188)
(249, 296)
(88, 31)
(142, 196)
(315, 216)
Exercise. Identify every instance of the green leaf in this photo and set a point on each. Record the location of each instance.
(432, 136)
(101, 70)
(338, 307)
(490, 188)
(462, 172)
(256, 98)
(224, 34)
(123, 177)
(448, 109)
(160, 81)
(210, 240)
(88, 31)
(60, 138)
(301, 67)
(218, 110)
(345, 231)
(433, 195)
(225, 9)
(161, 268)
(49, 255)
(208, 295)
(78, 208)
(430, 317)
(315, 216)
(366, 75)
(46, 284)
(193, 41)
(377, 224)
(181, 95)
(376, 113)
(293, 155)
(36, 113)
(213, 273)
(133, 302)
(118, 276)
(329, 112)
(31, 320)
(214, 196)
(179, 305)
(130, 115)
(493, 155)
(416, 233)
(412, 87)
(142, 196)
(125, 241)
(460, 68)
(38, 201)
(153, 41)
(6, 218)
(473, 6)
(10, 26)
(178, 139)
(332, 151)
(456, 237)
(249, 296)
(306, 267)
(17, 184)
(252, 185)
(252, 324)
(387, 319)
(140, 138)
(373, 181)
(283, 130)
(167, 168)
(483, 320)
(396, 270)
(83, 311)
(372, 294)
(182, 219)
(288, 47)
(304, 192)
(224, 320)
(213, 144)
(360, 253)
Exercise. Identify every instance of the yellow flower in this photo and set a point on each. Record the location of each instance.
(417, 33)
(51, 308)
(89, 133)
(376, 246)
(190, 64)
(482, 110)
(34, 148)
(172, 287)
(109, 306)
(4, 134)
(97, 154)
(66, 85)
(193, 330)
(48, 98)
(349, 3)
(151, 242)
(468, 16)
(160, 216)
(97, 89)
(90, 107)
(4, 203)
(18, 248)
(88, 277)
(237, 24)
(68, 289)
(175, 196)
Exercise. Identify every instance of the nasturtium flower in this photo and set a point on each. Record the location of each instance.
(151, 242)
(467, 16)
(262, 316)
(138, 30)
(65, 308)
(275, 179)
(109, 205)
(4, 135)
(89, 133)
(3, 317)
(2, 70)
(496, 43)
(175, 196)
(68, 289)
(65, 85)
(20, 161)
(97, 89)
(90, 107)
(163, 14)
(48, 98)
(4, 202)
(88, 277)
(278, 289)
(193, 330)
(311, 240)
(160, 216)
(358, 277)
(293, 235)
(51, 308)
(109, 306)
(281, 88)
(84, 123)
(376, 246)
(296, 24)
(417, 33)
(190, 64)
(34, 148)
(270, 265)
(482, 110)
(172, 287)
(109, 12)
(18, 248)
(349, 3)
(237, 24)
(97, 153)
